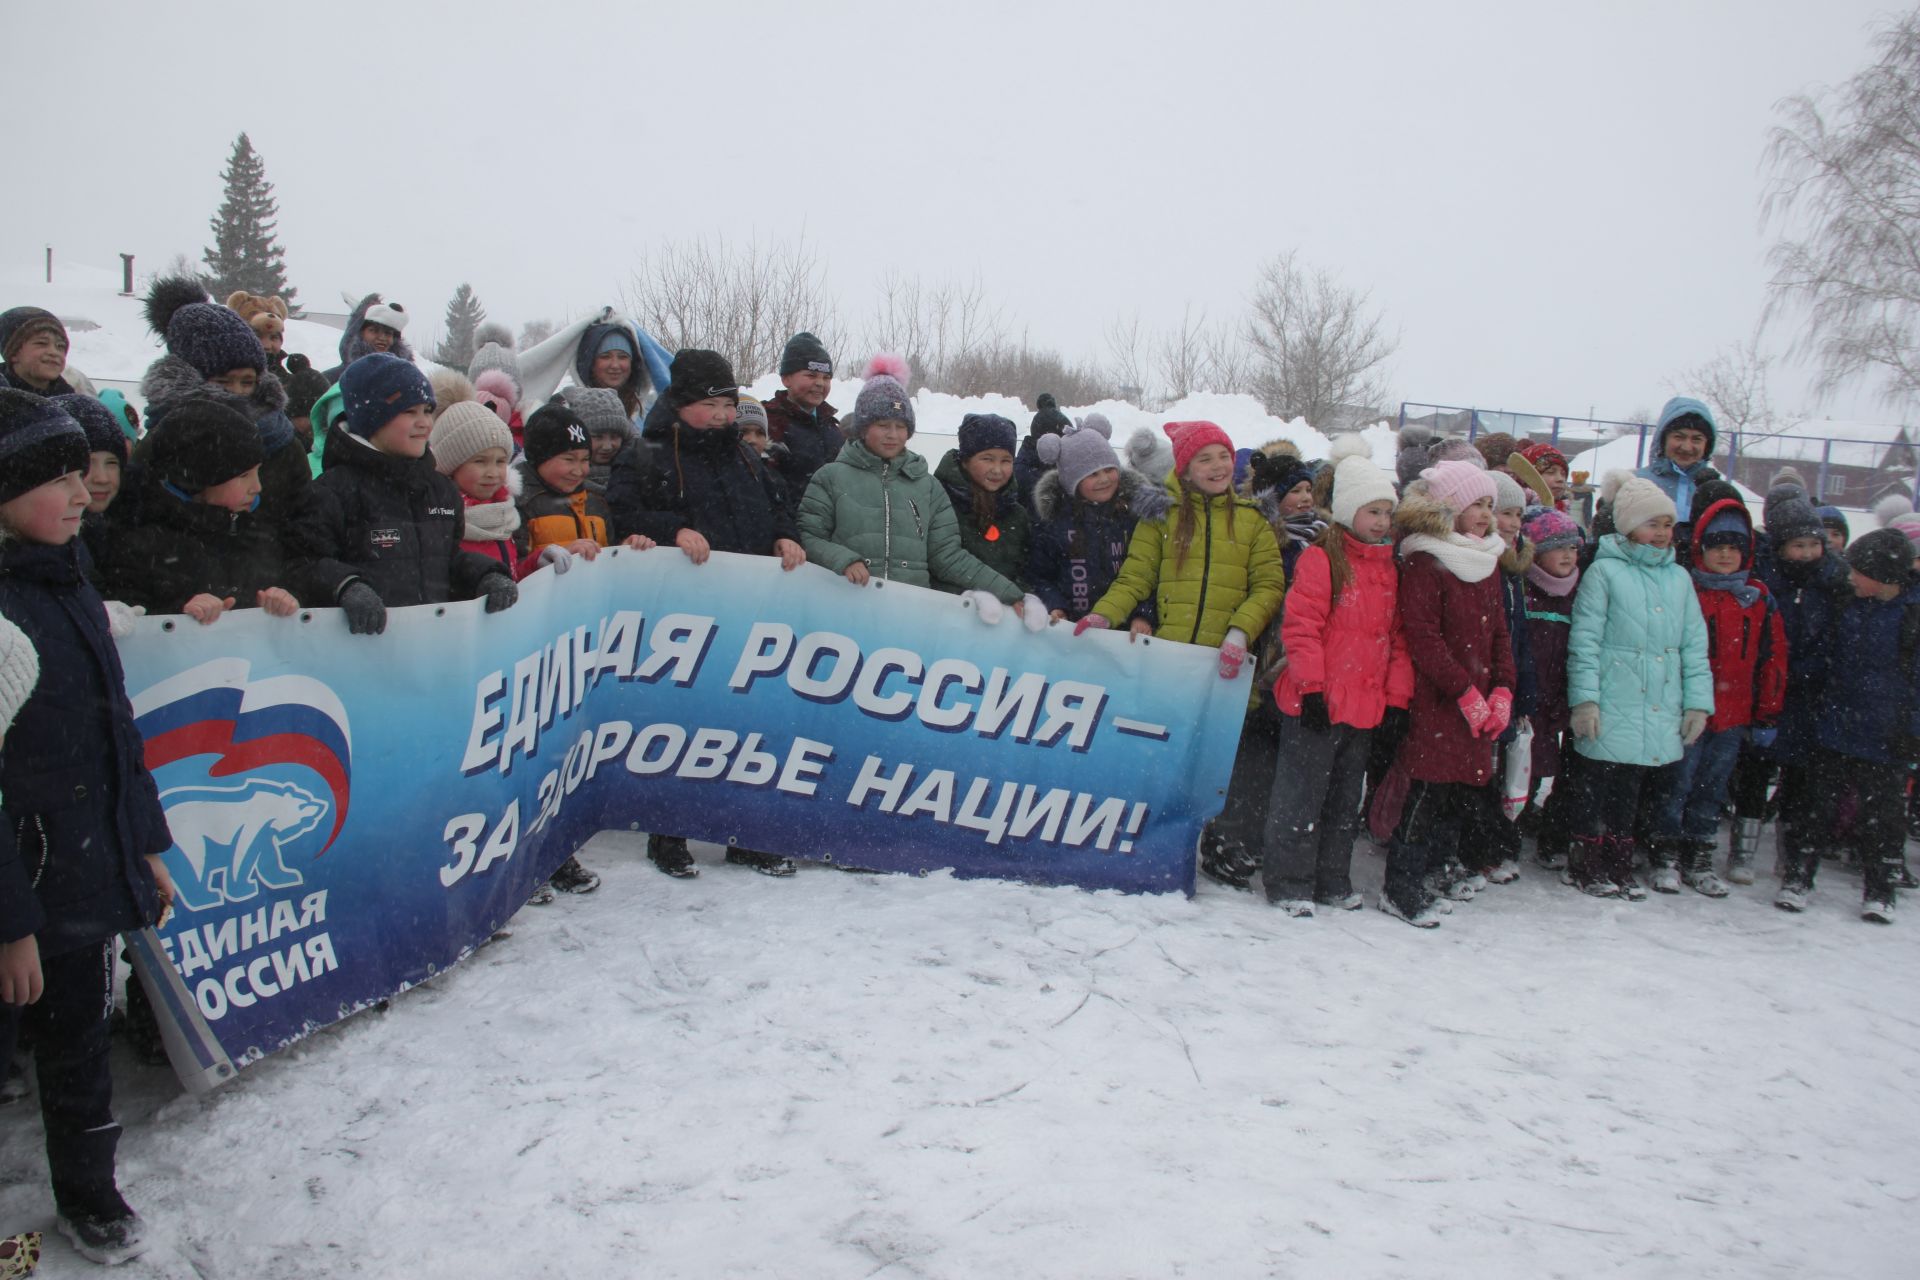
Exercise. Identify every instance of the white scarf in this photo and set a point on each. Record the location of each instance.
(1468, 559)
(492, 521)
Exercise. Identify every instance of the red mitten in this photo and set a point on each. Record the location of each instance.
(1474, 707)
(1091, 620)
(1499, 713)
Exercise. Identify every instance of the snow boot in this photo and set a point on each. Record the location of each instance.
(1299, 908)
(1504, 873)
(1793, 895)
(1696, 869)
(108, 1232)
(1877, 910)
(574, 878)
(1424, 918)
(542, 895)
(1746, 846)
(669, 853)
(1342, 902)
(1620, 850)
(1587, 868)
(1663, 858)
(767, 864)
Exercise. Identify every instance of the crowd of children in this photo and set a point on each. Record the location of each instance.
(1443, 654)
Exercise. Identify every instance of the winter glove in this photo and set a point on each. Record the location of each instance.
(558, 556)
(1033, 614)
(1763, 736)
(778, 455)
(120, 616)
(366, 611)
(1313, 712)
(1094, 620)
(500, 592)
(1233, 653)
(1692, 725)
(1395, 722)
(984, 603)
(1499, 713)
(1585, 721)
(1474, 707)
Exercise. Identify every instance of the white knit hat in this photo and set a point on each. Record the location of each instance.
(463, 430)
(1635, 499)
(19, 671)
(1508, 495)
(1356, 483)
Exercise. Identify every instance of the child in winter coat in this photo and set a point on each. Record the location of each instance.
(875, 511)
(560, 517)
(1281, 485)
(1346, 665)
(1637, 678)
(107, 453)
(1551, 466)
(1551, 581)
(1496, 859)
(471, 446)
(1214, 569)
(1867, 726)
(995, 528)
(380, 526)
(1455, 624)
(188, 536)
(1747, 651)
(81, 826)
(1086, 506)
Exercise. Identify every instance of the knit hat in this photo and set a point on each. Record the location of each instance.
(1190, 438)
(123, 413)
(1908, 525)
(1831, 519)
(377, 388)
(1507, 493)
(1789, 515)
(1149, 453)
(388, 314)
(496, 357)
(1710, 492)
(1549, 529)
(104, 434)
(19, 672)
(1789, 475)
(463, 430)
(982, 431)
(884, 396)
(553, 430)
(615, 339)
(39, 442)
(495, 390)
(1635, 500)
(1729, 528)
(305, 385)
(1415, 441)
(697, 375)
(202, 442)
(600, 409)
(751, 414)
(265, 315)
(1494, 446)
(1542, 455)
(1884, 555)
(1456, 450)
(1685, 411)
(214, 340)
(1356, 482)
(1280, 472)
(805, 352)
(1079, 450)
(1457, 485)
(1047, 420)
(19, 324)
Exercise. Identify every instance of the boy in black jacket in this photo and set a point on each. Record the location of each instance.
(381, 526)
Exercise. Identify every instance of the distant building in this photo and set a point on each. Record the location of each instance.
(1847, 464)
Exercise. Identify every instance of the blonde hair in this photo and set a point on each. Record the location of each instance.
(1184, 525)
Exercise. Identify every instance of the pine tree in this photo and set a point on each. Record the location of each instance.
(464, 316)
(244, 254)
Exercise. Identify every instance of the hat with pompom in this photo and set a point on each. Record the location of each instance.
(1079, 450)
(1550, 529)
(1190, 438)
(1635, 500)
(884, 397)
(495, 358)
(104, 434)
(495, 391)
(1150, 453)
(211, 338)
(1508, 493)
(1357, 482)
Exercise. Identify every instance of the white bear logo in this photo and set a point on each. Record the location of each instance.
(251, 823)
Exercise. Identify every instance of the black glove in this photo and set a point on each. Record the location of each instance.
(1313, 712)
(500, 592)
(1395, 723)
(366, 611)
(778, 454)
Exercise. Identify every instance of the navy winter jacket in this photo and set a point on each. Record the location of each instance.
(1872, 695)
(1810, 596)
(80, 810)
(1076, 548)
(707, 479)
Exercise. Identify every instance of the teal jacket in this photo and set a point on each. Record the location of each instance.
(1638, 648)
(893, 515)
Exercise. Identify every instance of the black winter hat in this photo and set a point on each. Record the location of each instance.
(1791, 516)
(553, 430)
(982, 431)
(700, 375)
(104, 433)
(202, 442)
(214, 340)
(305, 385)
(1884, 555)
(805, 352)
(1707, 494)
(20, 323)
(1279, 472)
(39, 442)
(1048, 421)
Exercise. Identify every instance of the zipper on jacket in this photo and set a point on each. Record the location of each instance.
(886, 511)
(1206, 571)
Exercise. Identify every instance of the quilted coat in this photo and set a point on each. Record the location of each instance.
(1231, 576)
(1638, 648)
(1350, 649)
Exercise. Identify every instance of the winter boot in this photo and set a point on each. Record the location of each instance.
(1223, 864)
(1423, 918)
(669, 853)
(767, 864)
(1620, 851)
(1588, 869)
(1341, 902)
(1299, 908)
(1877, 910)
(1793, 894)
(542, 895)
(1697, 869)
(1746, 846)
(574, 878)
(101, 1226)
(1663, 858)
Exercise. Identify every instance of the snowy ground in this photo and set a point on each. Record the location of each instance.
(851, 1075)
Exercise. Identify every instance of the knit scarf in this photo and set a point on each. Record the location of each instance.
(1305, 528)
(1551, 585)
(1468, 559)
(1734, 584)
(494, 521)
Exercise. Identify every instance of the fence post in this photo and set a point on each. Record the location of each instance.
(1820, 489)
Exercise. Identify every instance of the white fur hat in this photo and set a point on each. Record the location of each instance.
(1635, 500)
(390, 314)
(1356, 481)
(19, 671)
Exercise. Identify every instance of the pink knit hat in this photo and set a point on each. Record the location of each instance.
(1457, 485)
(1190, 438)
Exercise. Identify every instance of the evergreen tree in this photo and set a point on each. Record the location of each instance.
(464, 315)
(244, 253)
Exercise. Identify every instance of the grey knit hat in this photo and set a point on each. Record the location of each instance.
(1507, 493)
(1789, 515)
(750, 414)
(463, 430)
(1079, 450)
(495, 356)
(600, 409)
(19, 672)
(884, 396)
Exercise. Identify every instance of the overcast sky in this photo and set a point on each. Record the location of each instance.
(1556, 209)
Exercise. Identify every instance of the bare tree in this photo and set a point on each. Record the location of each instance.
(943, 330)
(1127, 358)
(1735, 383)
(535, 331)
(1181, 355)
(743, 301)
(1846, 178)
(1315, 344)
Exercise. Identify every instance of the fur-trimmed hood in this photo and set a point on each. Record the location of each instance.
(1518, 558)
(1144, 498)
(170, 377)
(352, 348)
(1420, 513)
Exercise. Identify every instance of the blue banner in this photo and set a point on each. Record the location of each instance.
(352, 814)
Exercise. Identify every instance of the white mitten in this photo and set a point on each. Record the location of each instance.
(985, 603)
(1033, 613)
(558, 556)
(120, 618)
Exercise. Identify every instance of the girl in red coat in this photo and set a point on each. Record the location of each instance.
(1346, 665)
(1455, 622)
